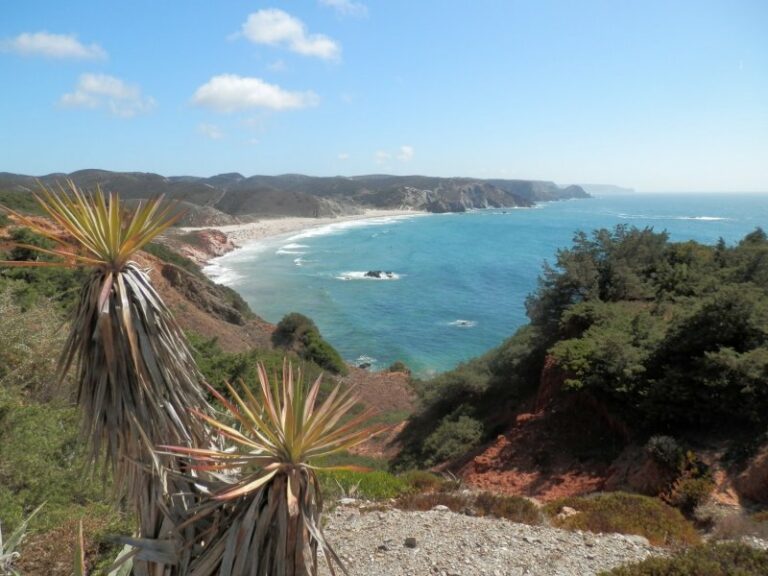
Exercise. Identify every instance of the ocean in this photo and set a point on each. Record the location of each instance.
(453, 286)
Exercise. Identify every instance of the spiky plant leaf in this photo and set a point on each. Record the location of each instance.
(137, 379)
(263, 518)
(9, 550)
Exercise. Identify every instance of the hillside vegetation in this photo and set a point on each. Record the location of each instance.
(666, 337)
(226, 198)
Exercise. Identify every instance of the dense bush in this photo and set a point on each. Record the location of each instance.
(671, 337)
(626, 514)
(708, 560)
(422, 481)
(4, 220)
(399, 366)
(299, 333)
(666, 451)
(452, 438)
(30, 285)
(512, 508)
(219, 366)
(689, 493)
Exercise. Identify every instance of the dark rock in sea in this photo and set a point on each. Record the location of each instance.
(364, 365)
(379, 274)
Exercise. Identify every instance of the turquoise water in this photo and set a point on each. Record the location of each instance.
(459, 280)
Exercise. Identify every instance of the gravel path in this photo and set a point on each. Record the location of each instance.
(449, 544)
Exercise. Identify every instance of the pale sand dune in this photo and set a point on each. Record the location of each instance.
(240, 234)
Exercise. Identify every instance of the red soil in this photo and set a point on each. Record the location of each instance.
(548, 452)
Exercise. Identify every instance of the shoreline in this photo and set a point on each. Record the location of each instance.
(239, 235)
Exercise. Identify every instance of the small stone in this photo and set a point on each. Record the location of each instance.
(410, 542)
(566, 512)
(441, 508)
(531, 539)
(382, 548)
(347, 501)
(589, 541)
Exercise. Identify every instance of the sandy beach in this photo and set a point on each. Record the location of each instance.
(240, 234)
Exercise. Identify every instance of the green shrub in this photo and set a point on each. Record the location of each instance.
(41, 460)
(299, 333)
(452, 438)
(666, 452)
(422, 481)
(399, 366)
(29, 285)
(707, 560)
(512, 508)
(688, 493)
(322, 353)
(4, 220)
(375, 485)
(218, 366)
(170, 256)
(626, 514)
(290, 331)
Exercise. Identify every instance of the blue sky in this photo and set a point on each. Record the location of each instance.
(658, 95)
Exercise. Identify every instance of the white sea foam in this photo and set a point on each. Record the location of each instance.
(294, 246)
(293, 252)
(363, 359)
(460, 323)
(362, 275)
(221, 274)
(662, 217)
(298, 261)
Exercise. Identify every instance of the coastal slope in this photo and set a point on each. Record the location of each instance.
(231, 198)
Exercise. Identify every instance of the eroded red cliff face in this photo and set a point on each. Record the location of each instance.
(546, 451)
(562, 444)
(200, 245)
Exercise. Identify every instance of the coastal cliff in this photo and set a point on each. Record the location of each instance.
(231, 198)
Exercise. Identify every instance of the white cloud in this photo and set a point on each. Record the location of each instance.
(211, 131)
(277, 28)
(230, 92)
(343, 156)
(347, 7)
(102, 91)
(382, 157)
(52, 46)
(406, 153)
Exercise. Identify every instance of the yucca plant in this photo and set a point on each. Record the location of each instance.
(263, 515)
(136, 376)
